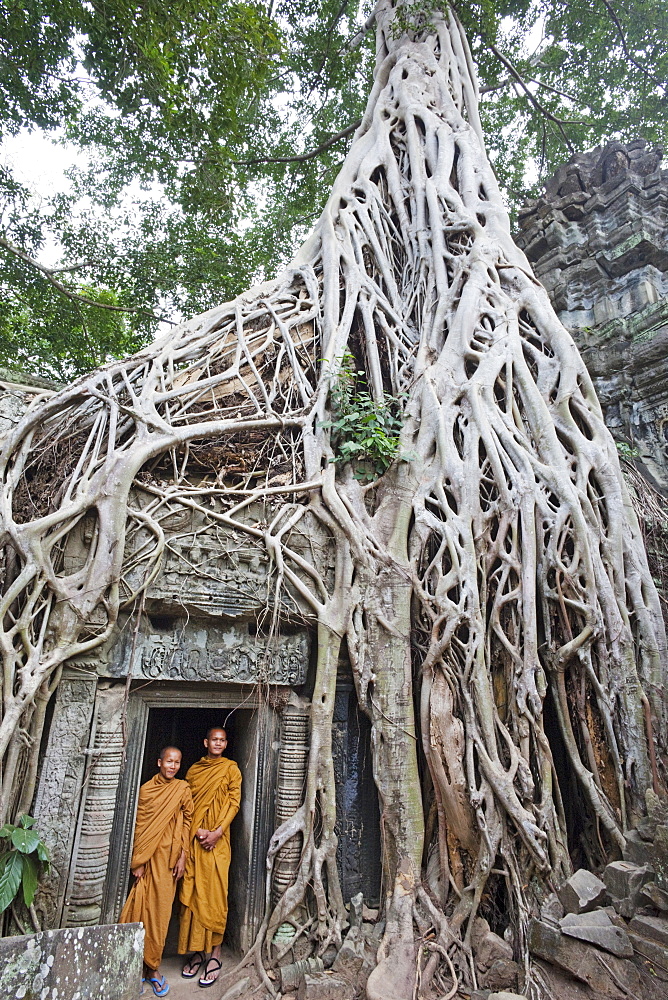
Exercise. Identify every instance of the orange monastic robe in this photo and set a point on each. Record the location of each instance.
(216, 788)
(164, 814)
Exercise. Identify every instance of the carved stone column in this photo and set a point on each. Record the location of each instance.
(56, 805)
(292, 764)
(91, 854)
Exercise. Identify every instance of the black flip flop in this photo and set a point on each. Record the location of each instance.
(190, 964)
(219, 966)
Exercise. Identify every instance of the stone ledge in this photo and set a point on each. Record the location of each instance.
(73, 963)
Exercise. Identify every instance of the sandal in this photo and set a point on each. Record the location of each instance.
(218, 966)
(159, 984)
(193, 964)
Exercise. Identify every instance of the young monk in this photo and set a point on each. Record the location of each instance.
(215, 782)
(159, 855)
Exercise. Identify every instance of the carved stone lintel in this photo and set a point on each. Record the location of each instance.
(195, 652)
(58, 794)
(89, 862)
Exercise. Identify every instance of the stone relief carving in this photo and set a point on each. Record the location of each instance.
(58, 794)
(191, 652)
(83, 905)
(217, 570)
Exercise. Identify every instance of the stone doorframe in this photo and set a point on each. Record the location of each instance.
(260, 801)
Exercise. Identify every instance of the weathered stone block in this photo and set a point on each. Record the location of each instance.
(637, 850)
(504, 995)
(582, 892)
(552, 910)
(492, 948)
(597, 928)
(655, 895)
(655, 928)
(355, 910)
(350, 958)
(73, 963)
(584, 961)
(624, 880)
(502, 974)
(325, 986)
(625, 907)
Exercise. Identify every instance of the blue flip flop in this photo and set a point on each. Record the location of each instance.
(159, 984)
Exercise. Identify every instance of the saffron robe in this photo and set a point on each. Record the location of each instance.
(215, 783)
(162, 831)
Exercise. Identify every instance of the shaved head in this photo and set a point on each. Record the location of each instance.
(215, 729)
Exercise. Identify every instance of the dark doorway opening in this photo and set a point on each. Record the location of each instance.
(186, 728)
(358, 853)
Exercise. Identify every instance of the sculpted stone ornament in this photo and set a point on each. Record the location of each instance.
(58, 797)
(202, 651)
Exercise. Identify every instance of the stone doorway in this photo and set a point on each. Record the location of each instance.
(181, 714)
(186, 728)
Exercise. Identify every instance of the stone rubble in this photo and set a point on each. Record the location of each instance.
(597, 928)
(602, 945)
(600, 970)
(325, 986)
(654, 895)
(582, 892)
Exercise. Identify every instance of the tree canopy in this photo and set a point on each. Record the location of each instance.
(210, 132)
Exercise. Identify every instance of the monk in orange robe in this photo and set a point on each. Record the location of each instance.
(161, 848)
(215, 782)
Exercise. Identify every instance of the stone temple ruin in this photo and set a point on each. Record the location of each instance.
(191, 661)
(597, 240)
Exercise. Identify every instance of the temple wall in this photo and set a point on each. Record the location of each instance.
(598, 241)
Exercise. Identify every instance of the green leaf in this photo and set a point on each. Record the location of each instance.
(11, 867)
(43, 853)
(25, 841)
(29, 879)
(26, 821)
(6, 830)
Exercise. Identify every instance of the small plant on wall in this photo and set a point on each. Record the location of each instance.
(364, 432)
(24, 857)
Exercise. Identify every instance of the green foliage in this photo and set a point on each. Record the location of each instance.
(23, 858)
(627, 451)
(363, 432)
